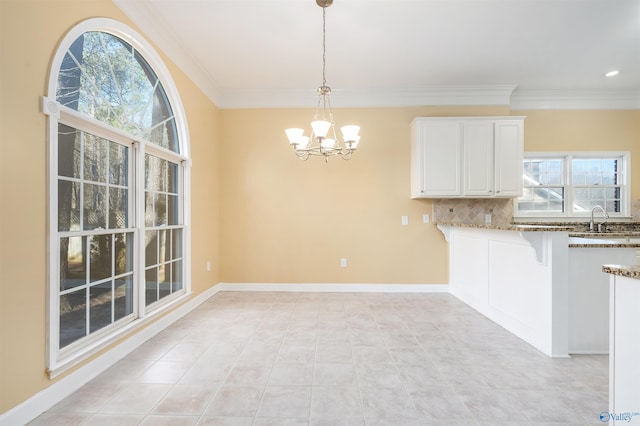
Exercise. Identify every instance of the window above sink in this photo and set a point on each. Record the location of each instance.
(571, 184)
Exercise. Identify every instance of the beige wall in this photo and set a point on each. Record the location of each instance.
(586, 131)
(275, 218)
(285, 220)
(289, 221)
(29, 33)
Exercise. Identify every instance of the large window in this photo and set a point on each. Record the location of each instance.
(119, 171)
(572, 184)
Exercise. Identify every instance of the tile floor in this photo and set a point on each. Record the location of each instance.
(338, 359)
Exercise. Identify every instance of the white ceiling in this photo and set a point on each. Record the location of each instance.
(527, 53)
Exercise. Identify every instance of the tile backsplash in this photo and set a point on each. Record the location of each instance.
(473, 210)
(465, 210)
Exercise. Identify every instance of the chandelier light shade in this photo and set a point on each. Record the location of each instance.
(324, 140)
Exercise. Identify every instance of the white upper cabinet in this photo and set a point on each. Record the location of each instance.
(509, 153)
(472, 157)
(477, 148)
(436, 148)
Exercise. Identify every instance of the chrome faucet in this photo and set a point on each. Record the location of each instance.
(605, 216)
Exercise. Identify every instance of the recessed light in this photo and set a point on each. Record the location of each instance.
(612, 73)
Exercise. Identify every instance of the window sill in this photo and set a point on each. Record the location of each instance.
(82, 354)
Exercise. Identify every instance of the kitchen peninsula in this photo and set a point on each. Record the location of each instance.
(520, 277)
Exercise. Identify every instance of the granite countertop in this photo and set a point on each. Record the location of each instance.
(584, 242)
(520, 227)
(607, 234)
(623, 270)
(575, 229)
(578, 237)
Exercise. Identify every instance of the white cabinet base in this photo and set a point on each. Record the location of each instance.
(624, 350)
(589, 297)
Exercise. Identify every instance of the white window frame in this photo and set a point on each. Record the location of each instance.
(567, 157)
(59, 361)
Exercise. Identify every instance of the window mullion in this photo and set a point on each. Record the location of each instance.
(568, 185)
(139, 235)
(87, 285)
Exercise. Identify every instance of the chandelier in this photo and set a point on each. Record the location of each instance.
(323, 140)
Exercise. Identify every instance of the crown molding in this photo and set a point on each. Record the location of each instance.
(420, 96)
(575, 99)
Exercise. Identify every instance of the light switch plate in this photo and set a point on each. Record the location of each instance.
(405, 220)
(425, 218)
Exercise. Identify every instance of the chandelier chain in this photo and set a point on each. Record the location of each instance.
(324, 46)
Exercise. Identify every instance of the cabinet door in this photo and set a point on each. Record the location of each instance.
(478, 155)
(440, 159)
(509, 153)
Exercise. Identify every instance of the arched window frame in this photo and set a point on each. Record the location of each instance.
(59, 361)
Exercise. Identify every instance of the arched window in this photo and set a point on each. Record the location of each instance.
(118, 189)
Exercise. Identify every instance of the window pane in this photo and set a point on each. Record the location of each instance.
(151, 286)
(100, 306)
(609, 178)
(118, 164)
(176, 275)
(68, 206)
(160, 210)
(173, 216)
(543, 172)
(164, 246)
(149, 215)
(73, 270)
(587, 198)
(542, 200)
(123, 297)
(164, 280)
(172, 180)
(123, 253)
(595, 171)
(155, 174)
(176, 241)
(151, 248)
(73, 317)
(100, 260)
(95, 198)
(118, 208)
(68, 88)
(95, 158)
(68, 152)
(150, 184)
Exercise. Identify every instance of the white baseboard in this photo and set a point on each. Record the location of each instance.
(337, 288)
(56, 392)
(588, 352)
